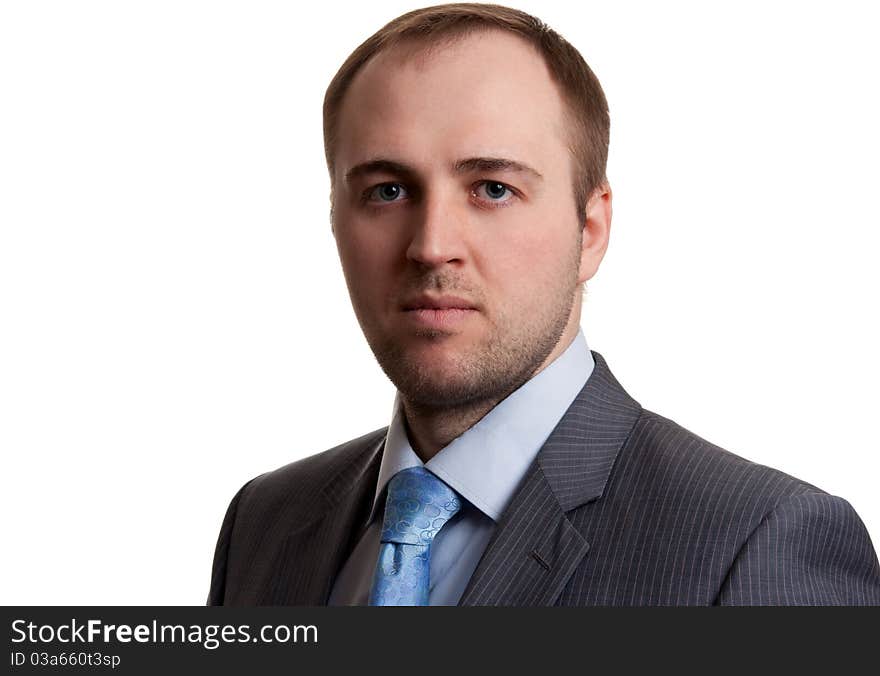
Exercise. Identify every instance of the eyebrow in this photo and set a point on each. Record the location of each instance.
(469, 165)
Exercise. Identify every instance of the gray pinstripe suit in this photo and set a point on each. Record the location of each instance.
(620, 507)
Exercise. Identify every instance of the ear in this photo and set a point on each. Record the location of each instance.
(597, 227)
(332, 224)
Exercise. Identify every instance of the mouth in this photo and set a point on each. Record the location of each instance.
(440, 320)
(425, 302)
(439, 313)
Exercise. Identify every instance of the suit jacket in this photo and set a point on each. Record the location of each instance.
(620, 507)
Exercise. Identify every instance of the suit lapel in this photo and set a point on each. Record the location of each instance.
(313, 554)
(535, 548)
(532, 554)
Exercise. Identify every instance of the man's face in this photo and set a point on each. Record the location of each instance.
(455, 218)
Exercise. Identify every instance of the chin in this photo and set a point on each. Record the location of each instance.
(438, 394)
(430, 378)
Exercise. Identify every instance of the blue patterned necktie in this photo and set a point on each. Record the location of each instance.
(418, 506)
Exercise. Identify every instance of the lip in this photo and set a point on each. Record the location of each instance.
(440, 313)
(439, 318)
(425, 302)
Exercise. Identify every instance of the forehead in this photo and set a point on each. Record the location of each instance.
(486, 93)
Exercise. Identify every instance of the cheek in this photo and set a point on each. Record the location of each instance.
(531, 258)
(359, 247)
(367, 261)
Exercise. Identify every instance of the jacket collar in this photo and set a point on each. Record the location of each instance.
(578, 456)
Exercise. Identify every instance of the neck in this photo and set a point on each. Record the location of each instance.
(430, 429)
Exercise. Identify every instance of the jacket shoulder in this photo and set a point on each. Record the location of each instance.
(312, 480)
(683, 521)
(268, 506)
(684, 463)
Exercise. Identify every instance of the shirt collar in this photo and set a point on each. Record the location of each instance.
(486, 464)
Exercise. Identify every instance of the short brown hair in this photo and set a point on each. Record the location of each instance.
(580, 89)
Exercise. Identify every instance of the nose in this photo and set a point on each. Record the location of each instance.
(437, 233)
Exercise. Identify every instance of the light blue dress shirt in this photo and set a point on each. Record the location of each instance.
(485, 466)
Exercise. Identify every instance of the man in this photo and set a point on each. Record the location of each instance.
(466, 146)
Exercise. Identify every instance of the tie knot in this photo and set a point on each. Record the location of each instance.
(418, 506)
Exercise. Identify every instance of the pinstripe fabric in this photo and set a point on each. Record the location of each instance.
(621, 507)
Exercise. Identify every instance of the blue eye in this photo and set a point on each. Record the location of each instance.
(387, 192)
(490, 193)
(493, 192)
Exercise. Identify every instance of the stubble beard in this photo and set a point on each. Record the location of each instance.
(515, 347)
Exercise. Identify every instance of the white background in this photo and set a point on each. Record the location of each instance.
(173, 317)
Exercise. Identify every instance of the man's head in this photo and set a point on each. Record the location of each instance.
(432, 28)
(466, 146)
